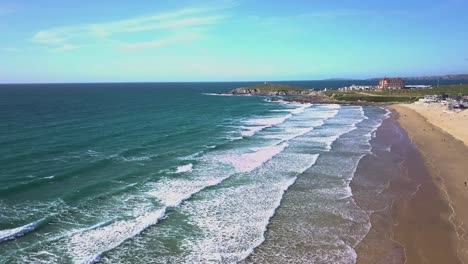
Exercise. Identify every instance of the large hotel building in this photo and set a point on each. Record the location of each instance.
(391, 84)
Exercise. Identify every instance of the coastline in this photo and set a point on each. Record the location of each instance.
(409, 214)
(445, 159)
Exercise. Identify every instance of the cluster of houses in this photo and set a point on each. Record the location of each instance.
(384, 84)
(451, 101)
(357, 88)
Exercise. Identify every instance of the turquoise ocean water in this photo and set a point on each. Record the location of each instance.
(166, 173)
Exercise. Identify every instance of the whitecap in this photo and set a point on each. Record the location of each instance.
(184, 168)
(136, 158)
(249, 161)
(88, 246)
(217, 94)
(268, 121)
(13, 233)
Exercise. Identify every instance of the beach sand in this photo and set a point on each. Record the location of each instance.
(409, 214)
(446, 158)
(455, 124)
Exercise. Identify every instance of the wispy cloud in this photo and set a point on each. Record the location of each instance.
(72, 37)
(158, 43)
(328, 14)
(340, 13)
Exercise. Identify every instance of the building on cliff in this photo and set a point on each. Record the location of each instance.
(391, 84)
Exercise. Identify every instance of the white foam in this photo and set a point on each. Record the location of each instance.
(234, 138)
(249, 161)
(268, 121)
(87, 246)
(250, 131)
(300, 109)
(185, 168)
(13, 233)
(173, 192)
(327, 141)
(216, 94)
(232, 230)
(93, 153)
(193, 156)
(361, 109)
(288, 110)
(136, 158)
(291, 132)
(331, 106)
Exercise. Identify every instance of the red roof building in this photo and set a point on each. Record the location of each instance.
(391, 84)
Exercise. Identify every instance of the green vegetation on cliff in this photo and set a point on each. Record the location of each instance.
(353, 97)
(273, 87)
(405, 95)
(270, 89)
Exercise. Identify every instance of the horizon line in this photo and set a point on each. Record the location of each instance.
(285, 80)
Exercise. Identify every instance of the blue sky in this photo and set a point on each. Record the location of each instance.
(228, 40)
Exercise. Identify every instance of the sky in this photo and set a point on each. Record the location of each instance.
(229, 40)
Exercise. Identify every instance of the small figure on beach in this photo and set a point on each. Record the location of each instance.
(465, 184)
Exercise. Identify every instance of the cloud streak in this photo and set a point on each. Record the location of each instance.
(170, 23)
(330, 15)
(161, 42)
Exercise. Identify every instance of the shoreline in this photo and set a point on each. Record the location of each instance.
(409, 215)
(319, 100)
(314, 99)
(445, 158)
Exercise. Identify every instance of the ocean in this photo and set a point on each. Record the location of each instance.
(176, 173)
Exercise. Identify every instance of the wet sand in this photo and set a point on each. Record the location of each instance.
(410, 215)
(446, 159)
(411, 187)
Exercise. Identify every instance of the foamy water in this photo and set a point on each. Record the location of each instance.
(87, 247)
(12, 233)
(184, 168)
(249, 161)
(338, 223)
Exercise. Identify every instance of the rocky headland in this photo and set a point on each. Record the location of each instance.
(270, 89)
(281, 92)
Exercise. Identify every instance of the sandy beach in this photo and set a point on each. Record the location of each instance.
(439, 137)
(455, 124)
(408, 213)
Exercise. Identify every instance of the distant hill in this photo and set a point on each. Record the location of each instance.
(340, 79)
(443, 77)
